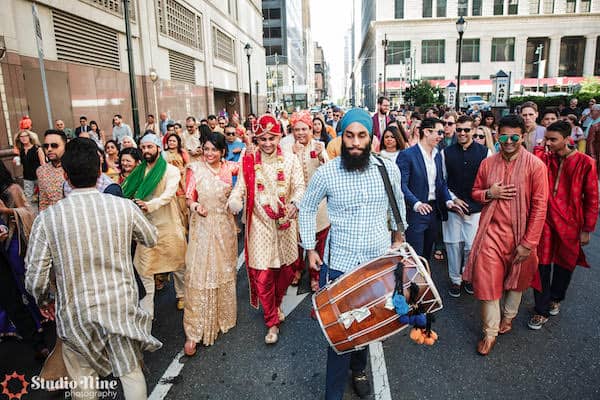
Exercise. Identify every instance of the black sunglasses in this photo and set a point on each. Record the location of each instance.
(448, 123)
(53, 145)
(479, 136)
(465, 130)
(230, 134)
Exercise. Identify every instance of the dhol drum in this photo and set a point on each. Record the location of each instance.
(356, 309)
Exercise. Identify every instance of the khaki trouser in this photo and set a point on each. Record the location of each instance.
(133, 383)
(147, 302)
(491, 313)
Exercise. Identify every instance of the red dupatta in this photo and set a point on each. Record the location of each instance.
(249, 179)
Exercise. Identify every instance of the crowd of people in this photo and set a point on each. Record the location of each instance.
(509, 202)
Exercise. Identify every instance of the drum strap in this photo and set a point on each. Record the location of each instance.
(413, 288)
(390, 194)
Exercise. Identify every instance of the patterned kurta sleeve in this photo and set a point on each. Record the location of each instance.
(480, 185)
(297, 181)
(590, 198)
(38, 261)
(143, 231)
(307, 217)
(538, 186)
(173, 176)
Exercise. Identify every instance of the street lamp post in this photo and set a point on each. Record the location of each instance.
(257, 96)
(379, 84)
(134, 106)
(461, 25)
(384, 43)
(248, 50)
(539, 50)
(293, 92)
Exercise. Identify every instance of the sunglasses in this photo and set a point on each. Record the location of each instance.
(440, 132)
(465, 130)
(448, 123)
(478, 136)
(53, 145)
(230, 134)
(504, 138)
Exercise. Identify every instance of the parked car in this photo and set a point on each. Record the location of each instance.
(474, 100)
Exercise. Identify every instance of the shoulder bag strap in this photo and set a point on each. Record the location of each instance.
(390, 194)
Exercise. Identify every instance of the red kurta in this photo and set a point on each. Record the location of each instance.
(505, 224)
(572, 209)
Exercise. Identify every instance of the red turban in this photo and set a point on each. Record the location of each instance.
(25, 123)
(267, 124)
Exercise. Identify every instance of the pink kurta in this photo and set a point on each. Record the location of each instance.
(505, 224)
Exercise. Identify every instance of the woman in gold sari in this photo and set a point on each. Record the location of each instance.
(210, 276)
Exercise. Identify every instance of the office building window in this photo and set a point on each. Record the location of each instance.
(584, 7)
(476, 7)
(398, 51)
(272, 32)
(272, 13)
(470, 50)
(179, 23)
(440, 8)
(513, 7)
(498, 7)
(399, 9)
(223, 46)
(572, 50)
(427, 8)
(534, 6)
(433, 51)
(597, 65)
(503, 49)
(463, 8)
(531, 58)
(272, 50)
(571, 6)
(548, 6)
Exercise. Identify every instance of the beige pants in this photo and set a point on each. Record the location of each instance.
(147, 302)
(491, 313)
(133, 383)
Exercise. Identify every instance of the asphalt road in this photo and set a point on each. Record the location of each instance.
(560, 361)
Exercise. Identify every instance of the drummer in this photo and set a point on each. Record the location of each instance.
(359, 211)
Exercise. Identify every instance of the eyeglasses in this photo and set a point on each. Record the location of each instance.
(478, 136)
(229, 133)
(504, 138)
(465, 130)
(448, 123)
(53, 145)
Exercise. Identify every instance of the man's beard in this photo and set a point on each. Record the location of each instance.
(355, 163)
(150, 158)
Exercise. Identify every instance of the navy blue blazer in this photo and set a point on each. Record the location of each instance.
(415, 186)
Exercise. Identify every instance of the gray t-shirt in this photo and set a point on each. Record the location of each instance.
(120, 131)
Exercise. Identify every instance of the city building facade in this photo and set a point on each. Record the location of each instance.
(515, 36)
(289, 53)
(189, 59)
(321, 75)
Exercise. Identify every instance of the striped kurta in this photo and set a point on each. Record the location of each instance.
(97, 312)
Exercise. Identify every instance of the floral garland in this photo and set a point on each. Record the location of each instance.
(280, 216)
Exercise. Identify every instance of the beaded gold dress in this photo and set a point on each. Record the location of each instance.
(211, 258)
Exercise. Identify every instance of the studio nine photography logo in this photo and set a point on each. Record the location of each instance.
(15, 386)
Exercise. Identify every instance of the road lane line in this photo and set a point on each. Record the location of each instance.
(381, 384)
(166, 380)
(290, 301)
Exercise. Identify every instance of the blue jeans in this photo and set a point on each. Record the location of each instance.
(338, 365)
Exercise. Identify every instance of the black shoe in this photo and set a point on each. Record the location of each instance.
(468, 286)
(454, 290)
(361, 384)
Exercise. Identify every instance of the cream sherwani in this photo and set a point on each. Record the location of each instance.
(97, 312)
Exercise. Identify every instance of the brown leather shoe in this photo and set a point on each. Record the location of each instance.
(505, 326)
(485, 345)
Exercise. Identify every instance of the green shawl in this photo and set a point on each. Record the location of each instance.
(138, 186)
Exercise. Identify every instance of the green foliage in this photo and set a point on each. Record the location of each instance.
(422, 94)
(590, 85)
(554, 101)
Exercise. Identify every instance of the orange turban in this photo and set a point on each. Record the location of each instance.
(267, 124)
(301, 116)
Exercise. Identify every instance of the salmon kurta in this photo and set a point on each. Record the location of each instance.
(568, 215)
(505, 224)
(163, 212)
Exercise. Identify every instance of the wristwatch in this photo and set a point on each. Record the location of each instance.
(488, 194)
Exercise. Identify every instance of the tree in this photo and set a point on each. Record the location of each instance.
(590, 85)
(422, 94)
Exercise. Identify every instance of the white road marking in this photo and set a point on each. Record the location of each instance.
(381, 385)
(290, 301)
(166, 380)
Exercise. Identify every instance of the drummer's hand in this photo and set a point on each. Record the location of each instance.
(314, 261)
(399, 239)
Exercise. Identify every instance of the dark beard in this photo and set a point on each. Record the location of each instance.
(150, 158)
(355, 163)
